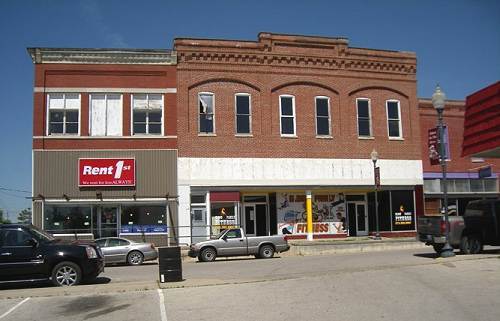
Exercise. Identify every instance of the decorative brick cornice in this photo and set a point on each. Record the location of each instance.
(295, 51)
(102, 56)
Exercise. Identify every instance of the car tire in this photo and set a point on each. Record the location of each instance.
(135, 258)
(207, 255)
(266, 252)
(66, 274)
(438, 247)
(471, 244)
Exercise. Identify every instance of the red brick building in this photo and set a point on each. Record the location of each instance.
(104, 142)
(263, 125)
(464, 183)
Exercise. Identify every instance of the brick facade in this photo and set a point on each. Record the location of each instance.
(304, 67)
(88, 77)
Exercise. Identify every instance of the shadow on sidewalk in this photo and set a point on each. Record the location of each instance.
(434, 255)
(46, 284)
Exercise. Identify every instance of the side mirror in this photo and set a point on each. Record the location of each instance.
(32, 242)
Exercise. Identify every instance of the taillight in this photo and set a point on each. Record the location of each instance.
(442, 227)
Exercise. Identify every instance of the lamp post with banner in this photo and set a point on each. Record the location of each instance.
(376, 173)
(438, 101)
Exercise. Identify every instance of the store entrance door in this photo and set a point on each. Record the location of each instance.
(199, 228)
(256, 220)
(107, 222)
(358, 218)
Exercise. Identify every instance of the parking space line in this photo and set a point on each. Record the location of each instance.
(163, 311)
(13, 308)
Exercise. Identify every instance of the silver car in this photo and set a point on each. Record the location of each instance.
(121, 250)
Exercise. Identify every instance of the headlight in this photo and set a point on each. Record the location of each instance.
(91, 252)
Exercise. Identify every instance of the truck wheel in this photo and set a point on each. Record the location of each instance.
(471, 244)
(207, 255)
(66, 274)
(438, 247)
(266, 252)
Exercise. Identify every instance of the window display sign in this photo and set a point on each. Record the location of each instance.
(106, 172)
(223, 217)
(328, 214)
(403, 214)
(134, 228)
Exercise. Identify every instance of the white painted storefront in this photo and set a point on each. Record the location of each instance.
(285, 172)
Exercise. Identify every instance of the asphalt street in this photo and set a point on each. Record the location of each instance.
(394, 285)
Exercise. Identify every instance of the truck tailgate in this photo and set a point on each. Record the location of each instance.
(430, 225)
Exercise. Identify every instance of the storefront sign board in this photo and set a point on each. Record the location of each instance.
(94, 172)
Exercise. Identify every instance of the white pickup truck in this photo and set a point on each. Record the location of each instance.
(233, 242)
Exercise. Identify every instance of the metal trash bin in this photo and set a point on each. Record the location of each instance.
(170, 264)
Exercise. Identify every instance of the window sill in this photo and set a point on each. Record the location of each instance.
(324, 137)
(104, 137)
(396, 138)
(207, 134)
(366, 137)
(243, 135)
(289, 136)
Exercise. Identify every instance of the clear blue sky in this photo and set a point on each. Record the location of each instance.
(457, 44)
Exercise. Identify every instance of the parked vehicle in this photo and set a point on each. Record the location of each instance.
(479, 226)
(30, 254)
(233, 242)
(122, 250)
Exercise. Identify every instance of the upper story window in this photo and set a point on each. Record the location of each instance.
(63, 113)
(364, 117)
(147, 114)
(323, 119)
(206, 113)
(243, 111)
(287, 115)
(106, 115)
(394, 119)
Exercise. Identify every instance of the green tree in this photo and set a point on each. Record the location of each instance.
(2, 219)
(24, 217)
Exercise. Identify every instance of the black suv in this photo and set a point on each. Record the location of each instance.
(30, 254)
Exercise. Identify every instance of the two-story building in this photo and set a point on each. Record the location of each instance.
(104, 142)
(265, 125)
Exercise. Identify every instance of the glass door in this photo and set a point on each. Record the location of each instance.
(199, 230)
(108, 221)
(250, 220)
(362, 219)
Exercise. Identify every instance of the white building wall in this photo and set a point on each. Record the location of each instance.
(295, 171)
(184, 214)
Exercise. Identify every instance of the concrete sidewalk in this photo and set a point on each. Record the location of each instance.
(341, 246)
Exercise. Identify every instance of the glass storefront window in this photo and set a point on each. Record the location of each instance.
(60, 219)
(223, 217)
(403, 212)
(144, 219)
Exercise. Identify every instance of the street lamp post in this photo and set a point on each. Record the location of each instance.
(374, 156)
(438, 100)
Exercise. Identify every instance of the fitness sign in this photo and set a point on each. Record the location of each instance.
(94, 172)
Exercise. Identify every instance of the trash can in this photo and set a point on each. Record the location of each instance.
(170, 264)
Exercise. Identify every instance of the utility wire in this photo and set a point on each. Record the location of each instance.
(13, 190)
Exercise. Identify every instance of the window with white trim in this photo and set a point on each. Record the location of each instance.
(243, 111)
(63, 113)
(364, 117)
(106, 115)
(206, 113)
(393, 119)
(287, 115)
(147, 114)
(323, 119)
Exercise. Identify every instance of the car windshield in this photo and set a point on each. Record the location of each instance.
(41, 235)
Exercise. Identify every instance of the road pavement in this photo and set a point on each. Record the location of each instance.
(394, 285)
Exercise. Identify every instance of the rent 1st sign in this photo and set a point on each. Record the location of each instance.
(106, 172)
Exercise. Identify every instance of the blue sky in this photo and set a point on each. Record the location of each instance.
(457, 44)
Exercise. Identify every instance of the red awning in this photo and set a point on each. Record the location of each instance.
(224, 196)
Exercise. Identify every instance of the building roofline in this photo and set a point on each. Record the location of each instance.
(40, 55)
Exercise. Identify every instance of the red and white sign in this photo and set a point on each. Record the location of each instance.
(433, 144)
(106, 172)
